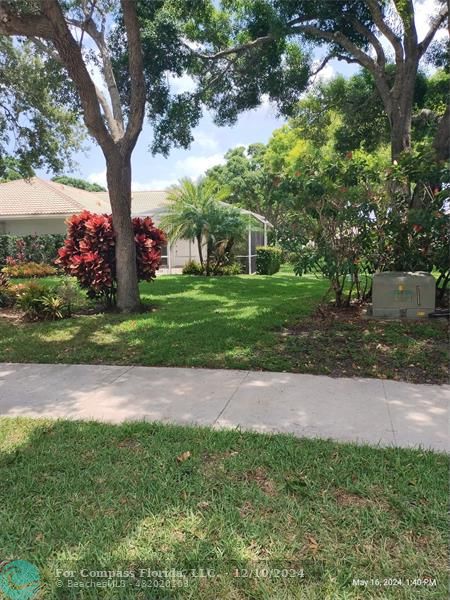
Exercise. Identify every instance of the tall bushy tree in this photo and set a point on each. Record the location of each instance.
(36, 131)
(246, 180)
(379, 35)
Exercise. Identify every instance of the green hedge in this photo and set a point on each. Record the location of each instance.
(268, 260)
(36, 248)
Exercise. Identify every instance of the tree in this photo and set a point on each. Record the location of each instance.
(361, 32)
(195, 214)
(78, 183)
(247, 181)
(35, 131)
(11, 169)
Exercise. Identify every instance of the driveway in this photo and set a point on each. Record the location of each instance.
(373, 411)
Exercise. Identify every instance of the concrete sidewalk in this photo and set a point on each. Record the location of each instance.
(359, 410)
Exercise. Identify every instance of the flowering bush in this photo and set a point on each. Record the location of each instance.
(25, 270)
(89, 253)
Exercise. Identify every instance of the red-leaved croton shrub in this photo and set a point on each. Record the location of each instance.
(89, 252)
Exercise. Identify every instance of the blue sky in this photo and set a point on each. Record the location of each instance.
(210, 142)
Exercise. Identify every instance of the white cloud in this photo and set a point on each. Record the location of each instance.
(326, 73)
(99, 178)
(192, 166)
(185, 83)
(206, 141)
(152, 184)
(195, 166)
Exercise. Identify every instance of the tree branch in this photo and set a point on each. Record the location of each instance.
(72, 59)
(377, 16)
(323, 64)
(112, 123)
(373, 40)
(360, 57)
(32, 25)
(440, 18)
(98, 37)
(409, 26)
(234, 50)
(136, 73)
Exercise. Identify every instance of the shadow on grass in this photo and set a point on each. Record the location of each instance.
(225, 322)
(100, 497)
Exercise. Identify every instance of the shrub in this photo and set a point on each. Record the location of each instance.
(5, 290)
(31, 248)
(230, 269)
(29, 297)
(195, 268)
(30, 269)
(39, 302)
(53, 308)
(89, 253)
(69, 293)
(268, 260)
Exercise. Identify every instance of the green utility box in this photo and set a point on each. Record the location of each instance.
(403, 295)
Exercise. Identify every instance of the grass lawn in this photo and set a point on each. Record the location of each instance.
(93, 496)
(235, 322)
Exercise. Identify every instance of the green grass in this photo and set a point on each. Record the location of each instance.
(102, 497)
(235, 322)
(196, 322)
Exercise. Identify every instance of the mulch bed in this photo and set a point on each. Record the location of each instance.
(344, 343)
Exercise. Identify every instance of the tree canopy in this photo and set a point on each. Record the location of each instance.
(81, 184)
(36, 130)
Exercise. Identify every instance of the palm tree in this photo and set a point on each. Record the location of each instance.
(193, 213)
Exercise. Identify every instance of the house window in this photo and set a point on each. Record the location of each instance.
(2, 227)
(164, 256)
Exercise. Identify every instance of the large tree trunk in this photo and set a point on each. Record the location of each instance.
(441, 141)
(401, 106)
(400, 132)
(118, 175)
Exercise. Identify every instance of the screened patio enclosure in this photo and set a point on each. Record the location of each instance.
(176, 254)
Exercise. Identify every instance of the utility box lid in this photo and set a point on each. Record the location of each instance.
(408, 294)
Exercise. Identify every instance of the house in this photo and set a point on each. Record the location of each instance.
(38, 206)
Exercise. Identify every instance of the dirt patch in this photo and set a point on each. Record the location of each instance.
(11, 315)
(130, 444)
(344, 498)
(262, 480)
(345, 344)
(376, 500)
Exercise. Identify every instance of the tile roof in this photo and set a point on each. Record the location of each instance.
(149, 202)
(35, 196)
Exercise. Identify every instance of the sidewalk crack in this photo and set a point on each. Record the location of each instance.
(389, 413)
(120, 375)
(227, 403)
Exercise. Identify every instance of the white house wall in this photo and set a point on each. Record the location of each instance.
(181, 252)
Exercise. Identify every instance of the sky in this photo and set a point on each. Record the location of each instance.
(210, 142)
